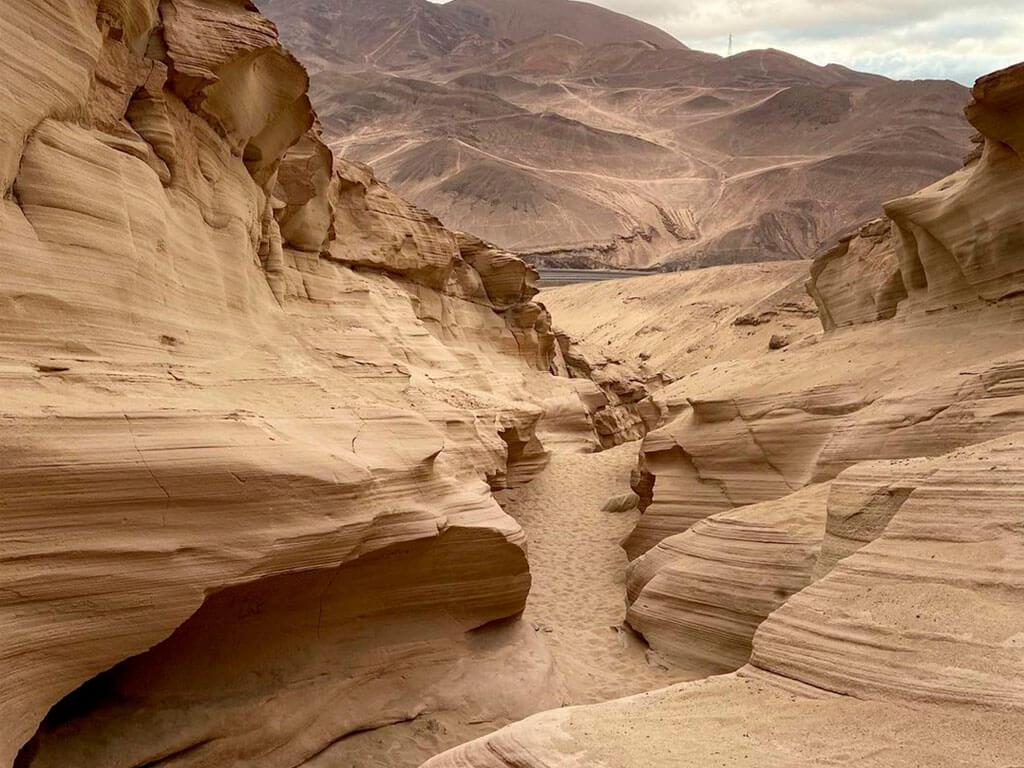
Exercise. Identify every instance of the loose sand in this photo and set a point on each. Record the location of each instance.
(576, 607)
(578, 593)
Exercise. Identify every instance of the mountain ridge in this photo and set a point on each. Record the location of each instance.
(576, 149)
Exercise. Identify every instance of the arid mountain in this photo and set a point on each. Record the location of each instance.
(293, 476)
(398, 33)
(576, 136)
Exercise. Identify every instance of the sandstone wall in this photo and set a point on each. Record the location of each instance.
(254, 406)
(905, 654)
(840, 522)
(909, 367)
(953, 244)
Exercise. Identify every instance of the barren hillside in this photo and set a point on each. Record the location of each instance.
(578, 137)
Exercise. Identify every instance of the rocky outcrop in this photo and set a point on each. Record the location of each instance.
(901, 608)
(995, 103)
(895, 389)
(837, 521)
(699, 596)
(955, 239)
(914, 640)
(858, 280)
(254, 405)
(615, 392)
(947, 248)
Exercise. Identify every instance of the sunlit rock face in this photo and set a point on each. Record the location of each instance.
(254, 408)
(699, 596)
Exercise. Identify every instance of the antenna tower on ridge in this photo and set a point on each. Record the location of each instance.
(730, 45)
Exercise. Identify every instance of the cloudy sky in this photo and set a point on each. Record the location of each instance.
(955, 39)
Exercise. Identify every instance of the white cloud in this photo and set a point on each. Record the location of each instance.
(955, 39)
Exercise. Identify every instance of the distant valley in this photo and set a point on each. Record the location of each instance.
(577, 137)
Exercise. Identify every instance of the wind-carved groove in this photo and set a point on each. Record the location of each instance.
(149, 469)
(347, 623)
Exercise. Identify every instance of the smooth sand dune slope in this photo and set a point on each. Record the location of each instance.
(680, 323)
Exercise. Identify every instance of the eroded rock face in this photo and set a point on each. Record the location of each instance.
(912, 640)
(863, 501)
(956, 550)
(937, 376)
(850, 503)
(859, 279)
(615, 392)
(699, 596)
(252, 403)
(955, 241)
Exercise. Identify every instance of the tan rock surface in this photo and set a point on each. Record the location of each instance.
(254, 407)
(624, 502)
(699, 596)
(904, 655)
(858, 280)
(615, 391)
(739, 434)
(904, 647)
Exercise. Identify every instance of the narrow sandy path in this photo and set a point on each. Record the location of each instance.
(577, 599)
(576, 606)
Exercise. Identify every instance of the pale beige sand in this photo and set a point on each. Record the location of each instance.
(578, 593)
(576, 606)
(684, 321)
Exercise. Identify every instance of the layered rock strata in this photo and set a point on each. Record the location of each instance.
(858, 280)
(254, 407)
(851, 504)
(699, 596)
(949, 270)
(903, 655)
(616, 392)
(912, 638)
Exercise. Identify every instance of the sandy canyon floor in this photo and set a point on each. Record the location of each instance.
(579, 572)
(576, 606)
